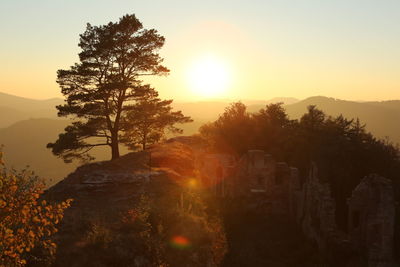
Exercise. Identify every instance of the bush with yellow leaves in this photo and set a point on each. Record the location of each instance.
(26, 222)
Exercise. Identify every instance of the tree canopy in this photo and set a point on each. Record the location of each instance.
(147, 121)
(105, 84)
(231, 126)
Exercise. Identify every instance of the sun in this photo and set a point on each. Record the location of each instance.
(209, 77)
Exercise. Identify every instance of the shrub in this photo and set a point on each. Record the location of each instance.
(26, 222)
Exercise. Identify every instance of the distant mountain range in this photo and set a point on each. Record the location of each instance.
(209, 110)
(15, 108)
(382, 118)
(25, 144)
(27, 125)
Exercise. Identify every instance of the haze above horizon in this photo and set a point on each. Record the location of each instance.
(259, 49)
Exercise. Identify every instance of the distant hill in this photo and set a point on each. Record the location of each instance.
(25, 144)
(381, 117)
(15, 108)
(284, 100)
(209, 110)
(9, 115)
(27, 125)
(22, 103)
(205, 111)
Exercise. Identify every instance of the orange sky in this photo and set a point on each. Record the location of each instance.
(343, 49)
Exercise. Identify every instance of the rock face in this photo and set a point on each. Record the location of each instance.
(371, 219)
(258, 174)
(274, 187)
(97, 177)
(317, 212)
(109, 223)
(215, 170)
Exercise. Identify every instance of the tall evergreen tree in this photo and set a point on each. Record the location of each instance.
(105, 83)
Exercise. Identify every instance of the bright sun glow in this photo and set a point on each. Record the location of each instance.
(209, 77)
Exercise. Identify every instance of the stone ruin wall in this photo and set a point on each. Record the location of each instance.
(216, 170)
(275, 187)
(371, 219)
(369, 240)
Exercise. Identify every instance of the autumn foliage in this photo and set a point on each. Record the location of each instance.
(26, 222)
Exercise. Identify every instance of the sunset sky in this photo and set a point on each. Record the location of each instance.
(348, 49)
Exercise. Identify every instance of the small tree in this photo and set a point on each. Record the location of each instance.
(272, 128)
(232, 131)
(104, 83)
(149, 119)
(25, 222)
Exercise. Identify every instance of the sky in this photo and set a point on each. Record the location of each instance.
(347, 49)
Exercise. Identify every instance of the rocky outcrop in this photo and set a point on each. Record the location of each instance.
(371, 220)
(371, 215)
(316, 216)
(258, 174)
(274, 187)
(215, 170)
(129, 211)
(317, 212)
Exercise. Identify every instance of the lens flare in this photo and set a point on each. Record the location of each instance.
(180, 242)
(192, 182)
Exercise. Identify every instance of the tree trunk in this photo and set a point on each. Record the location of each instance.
(114, 146)
(144, 141)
